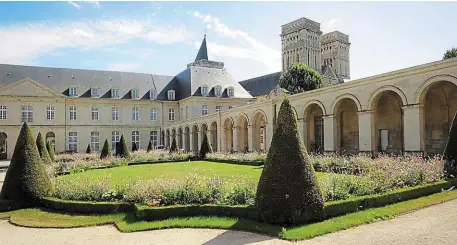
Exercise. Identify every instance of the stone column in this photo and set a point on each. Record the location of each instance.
(191, 141)
(412, 121)
(250, 138)
(235, 139)
(199, 140)
(329, 133)
(209, 136)
(221, 147)
(301, 129)
(184, 144)
(365, 131)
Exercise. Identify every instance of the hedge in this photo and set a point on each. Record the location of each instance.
(86, 207)
(10, 205)
(249, 163)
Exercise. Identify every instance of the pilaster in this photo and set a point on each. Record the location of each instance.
(250, 138)
(365, 131)
(235, 139)
(329, 133)
(412, 120)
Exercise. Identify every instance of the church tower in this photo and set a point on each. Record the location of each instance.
(335, 53)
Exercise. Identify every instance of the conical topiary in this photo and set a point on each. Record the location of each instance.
(288, 192)
(149, 146)
(122, 150)
(51, 151)
(26, 180)
(205, 148)
(134, 147)
(174, 146)
(88, 150)
(106, 151)
(42, 149)
(450, 152)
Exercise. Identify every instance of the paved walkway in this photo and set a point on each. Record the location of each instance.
(436, 225)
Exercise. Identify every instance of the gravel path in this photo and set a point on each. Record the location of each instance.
(434, 225)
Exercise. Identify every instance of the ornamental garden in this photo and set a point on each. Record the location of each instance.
(286, 192)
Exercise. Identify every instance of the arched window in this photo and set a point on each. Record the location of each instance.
(136, 139)
(115, 137)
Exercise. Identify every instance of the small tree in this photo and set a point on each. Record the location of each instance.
(288, 192)
(106, 151)
(450, 152)
(450, 53)
(51, 151)
(42, 149)
(149, 146)
(174, 146)
(300, 78)
(205, 148)
(26, 180)
(122, 150)
(134, 147)
(88, 150)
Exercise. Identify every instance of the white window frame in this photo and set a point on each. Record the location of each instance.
(135, 113)
(171, 114)
(115, 138)
(204, 90)
(50, 112)
(204, 110)
(136, 138)
(218, 108)
(154, 136)
(27, 113)
(94, 93)
(115, 93)
(115, 113)
(3, 112)
(230, 92)
(153, 94)
(135, 93)
(218, 91)
(73, 141)
(73, 91)
(95, 141)
(153, 114)
(171, 95)
(94, 114)
(72, 112)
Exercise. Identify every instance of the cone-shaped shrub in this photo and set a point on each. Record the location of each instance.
(51, 152)
(106, 151)
(42, 149)
(288, 192)
(174, 146)
(134, 147)
(450, 152)
(205, 148)
(26, 180)
(122, 150)
(88, 150)
(149, 146)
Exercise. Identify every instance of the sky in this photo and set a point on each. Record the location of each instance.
(163, 37)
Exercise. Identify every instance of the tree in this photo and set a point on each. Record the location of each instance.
(450, 53)
(51, 151)
(26, 180)
(42, 149)
(149, 146)
(122, 150)
(450, 152)
(174, 146)
(300, 78)
(88, 150)
(106, 151)
(205, 148)
(288, 192)
(134, 147)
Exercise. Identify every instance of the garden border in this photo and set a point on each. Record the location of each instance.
(86, 207)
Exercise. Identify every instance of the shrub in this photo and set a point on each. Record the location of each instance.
(205, 148)
(51, 151)
(134, 147)
(42, 149)
(88, 150)
(26, 179)
(106, 151)
(122, 150)
(149, 146)
(174, 147)
(450, 152)
(288, 193)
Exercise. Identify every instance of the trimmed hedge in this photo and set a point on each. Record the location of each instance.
(249, 163)
(10, 205)
(86, 207)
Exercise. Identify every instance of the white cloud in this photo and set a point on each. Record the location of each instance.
(122, 67)
(331, 25)
(23, 43)
(74, 4)
(96, 4)
(250, 48)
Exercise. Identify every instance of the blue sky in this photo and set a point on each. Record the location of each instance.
(163, 37)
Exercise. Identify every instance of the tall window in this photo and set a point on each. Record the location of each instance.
(115, 113)
(218, 91)
(73, 141)
(73, 91)
(135, 113)
(204, 110)
(231, 92)
(153, 94)
(27, 114)
(153, 114)
(136, 138)
(204, 90)
(135, 93)
(319, 133)
(115, 137)
(171, 114)
(72, 112)
(2, 112)
(94, 93)
(218, 108)
(153, 136)
(95, 141)
(171, 95)
(114, 93)
(94, 113)
(50, 113)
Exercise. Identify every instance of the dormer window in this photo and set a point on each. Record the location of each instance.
(171, 95)
(114, 93)
(94, 93)
(135, 93)
(230, 92)
(153, 94)
(73, 91)
(204, 90)
(218, 91)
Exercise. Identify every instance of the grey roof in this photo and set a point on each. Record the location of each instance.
(261, 85)
(203, 51)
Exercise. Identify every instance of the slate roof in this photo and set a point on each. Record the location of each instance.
(262, 85)
(203, 51)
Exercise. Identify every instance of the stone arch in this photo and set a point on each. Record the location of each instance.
(340, 98)
(243, 115)
(187, 138)
(228, 134)
(51, 137)
(3, 146)
(195, 145)
(257, 112)
(313, 102)
(376, 95)
(259, 130)
(346, 122)
(313, 123)
(213, 136)
(242, 133)
(425, 86)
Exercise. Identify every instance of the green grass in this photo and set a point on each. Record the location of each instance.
(176, 170)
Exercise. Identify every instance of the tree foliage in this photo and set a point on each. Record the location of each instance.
(106, 151)
(149, 146)
(450, 152)
(122, 150)
(174, 146)
(51, 151)
(450, 53)
(300, 78)
(288, 192)
(205, 148)
(42, 149)
(26, 180)
(88, 150)
(134, 147)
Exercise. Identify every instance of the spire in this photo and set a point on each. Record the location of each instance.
(202, 52)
